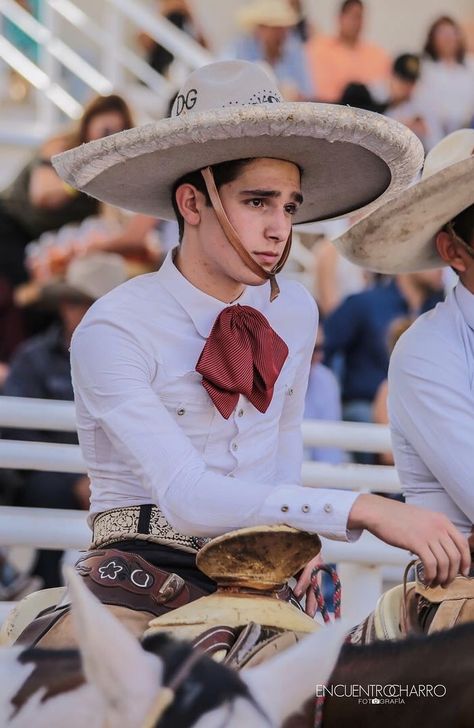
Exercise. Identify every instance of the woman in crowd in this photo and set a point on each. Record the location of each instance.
(38, 200)
(446, 87)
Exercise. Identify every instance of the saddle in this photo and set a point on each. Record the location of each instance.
(251, 567)
(253, 610)
(412, 608)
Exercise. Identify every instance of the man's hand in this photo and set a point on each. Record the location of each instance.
(304, 585)
(443, 550)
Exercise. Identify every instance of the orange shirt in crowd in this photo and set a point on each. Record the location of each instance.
(333, 65)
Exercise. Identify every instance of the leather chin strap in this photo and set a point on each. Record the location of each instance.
(234, 239)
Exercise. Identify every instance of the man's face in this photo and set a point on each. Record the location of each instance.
(271, 38)
(401, 89)
(260, 203)
(351, 22)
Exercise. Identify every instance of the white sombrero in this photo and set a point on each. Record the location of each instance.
(399, 237)
(274, 13)
(350, 159)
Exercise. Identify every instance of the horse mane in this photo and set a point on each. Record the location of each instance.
(55, 671)
(210, 685)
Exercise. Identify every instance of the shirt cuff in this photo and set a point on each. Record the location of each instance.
(321, 511)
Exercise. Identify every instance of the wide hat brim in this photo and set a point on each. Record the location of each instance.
(399, 236)
(351, 159)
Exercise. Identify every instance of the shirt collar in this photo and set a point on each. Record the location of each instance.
(465, 301)
(202, 308)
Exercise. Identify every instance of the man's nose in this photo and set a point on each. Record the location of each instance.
(279, 227)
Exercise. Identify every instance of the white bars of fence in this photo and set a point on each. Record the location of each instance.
(59, 416)
(359, 564)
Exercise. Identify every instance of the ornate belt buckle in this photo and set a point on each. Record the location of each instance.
(170, 588)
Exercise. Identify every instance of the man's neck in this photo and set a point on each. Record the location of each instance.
(468, 281)
(202, 277)
(349, 42)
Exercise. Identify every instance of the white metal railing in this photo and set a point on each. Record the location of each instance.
(46, 528)
(360, 563)
(20, 455)
(111, 43)
(120, 54)
(59, 416)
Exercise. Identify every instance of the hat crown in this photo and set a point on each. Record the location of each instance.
(225, 83)
(455, 147)
(97, 274)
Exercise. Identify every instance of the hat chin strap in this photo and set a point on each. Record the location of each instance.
(234, 239)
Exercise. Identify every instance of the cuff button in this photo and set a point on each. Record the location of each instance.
(285, 509)
(328, 508)
(306, 508)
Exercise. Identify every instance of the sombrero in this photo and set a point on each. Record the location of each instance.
(350, 159)
(399, 236)
(274, 13)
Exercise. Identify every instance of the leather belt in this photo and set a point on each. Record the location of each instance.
(142, 523)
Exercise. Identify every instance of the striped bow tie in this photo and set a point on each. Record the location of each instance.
(243, 355)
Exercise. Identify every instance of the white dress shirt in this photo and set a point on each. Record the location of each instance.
(431, 409)
(150, 433)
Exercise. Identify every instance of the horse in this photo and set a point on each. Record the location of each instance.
(114, 680)
(164, 683)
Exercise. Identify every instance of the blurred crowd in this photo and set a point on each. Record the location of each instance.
(61, 250)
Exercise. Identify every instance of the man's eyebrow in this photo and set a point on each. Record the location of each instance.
(297, 196)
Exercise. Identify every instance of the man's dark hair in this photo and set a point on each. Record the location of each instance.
(463, 225)
(430, 45)
(224, 173)
(347, 4)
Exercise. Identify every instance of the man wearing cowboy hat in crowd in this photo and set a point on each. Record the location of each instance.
(190, 382)
(269, 36)
(431, 375)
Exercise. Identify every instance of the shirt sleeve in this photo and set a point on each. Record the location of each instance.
(431, 404)
(112, 375)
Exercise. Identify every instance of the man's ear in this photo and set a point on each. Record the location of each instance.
(190, 202)
(451, 252)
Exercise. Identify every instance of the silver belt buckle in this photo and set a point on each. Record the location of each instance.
(170, 588)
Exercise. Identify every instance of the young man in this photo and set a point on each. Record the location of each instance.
(190, 382)
(431, 375)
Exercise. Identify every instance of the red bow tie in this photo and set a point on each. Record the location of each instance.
(243, 355)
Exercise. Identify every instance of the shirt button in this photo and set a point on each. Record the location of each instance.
(234, 446)
(181, 411)
(328, 508)
(240, 413)
(305, 508)
(290, 391)
(285, 509)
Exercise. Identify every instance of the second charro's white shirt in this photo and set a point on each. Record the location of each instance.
(431, 409)
(150, 433)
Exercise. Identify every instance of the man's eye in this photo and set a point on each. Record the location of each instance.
(255, 202)
(291, 209)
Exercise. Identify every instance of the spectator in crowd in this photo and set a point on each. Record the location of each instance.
(180, 15)
(41, 368)
(38, 200)
(323, 401)
(335, 277)
(446, 87)
(380, 409)
(357, 330)
(396, 98)
(268, 37)
(303, 28)
(336, 61)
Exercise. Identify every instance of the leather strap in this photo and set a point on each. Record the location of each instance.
(234, 239)
(127, 580)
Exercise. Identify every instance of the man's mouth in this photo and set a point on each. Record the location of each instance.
(266, 257)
